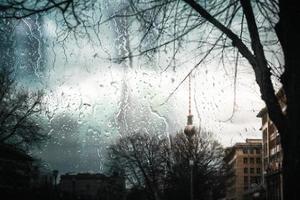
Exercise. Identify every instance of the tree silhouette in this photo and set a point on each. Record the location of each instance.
(69, 12)
(160, 169)
(19, 126)
(208, 177)
(143, 158)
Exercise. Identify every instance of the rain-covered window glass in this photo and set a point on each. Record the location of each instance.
(143, 99)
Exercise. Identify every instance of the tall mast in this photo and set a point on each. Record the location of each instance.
(190, 116)
(190, 94)
(189, 128)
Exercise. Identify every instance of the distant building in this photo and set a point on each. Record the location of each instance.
(244, 168)
(42, 178)
(15, 168)
(272, 153)
(92, 186)
(21, 176)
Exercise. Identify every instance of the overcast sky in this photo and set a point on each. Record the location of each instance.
(90, 100)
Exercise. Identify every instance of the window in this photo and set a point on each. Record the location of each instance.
(278, 147)
(245, 160)
(265, 135)
(253, 179)
(251, 170)
(258, 160)
(258, 170)
(265, 150)
(251, 160)
(246, 180)
(258, 179)
(251, 151)
(273, 151)
(257, 151)
(245, 151)
(245, 170)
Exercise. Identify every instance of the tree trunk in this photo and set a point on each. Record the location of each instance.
(288, 33)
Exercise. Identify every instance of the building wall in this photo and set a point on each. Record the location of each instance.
(244, 168)
(92, 186)
(272, 153)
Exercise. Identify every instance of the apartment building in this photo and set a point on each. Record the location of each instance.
(272, 153)
(244, 168)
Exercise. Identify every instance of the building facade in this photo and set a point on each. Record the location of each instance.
(15, 169)
(272, 153)
(244, 168)
(88, 186)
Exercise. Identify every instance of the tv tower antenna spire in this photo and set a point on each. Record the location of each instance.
(189, 128)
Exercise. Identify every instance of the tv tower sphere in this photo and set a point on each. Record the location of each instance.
(190, 129)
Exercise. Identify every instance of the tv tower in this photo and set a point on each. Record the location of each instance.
(190, 129)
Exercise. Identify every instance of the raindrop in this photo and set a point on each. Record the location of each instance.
(50, 132)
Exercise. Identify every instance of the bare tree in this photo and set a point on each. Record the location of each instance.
(18, 114)
(143, 158)
(163, 171)
(207, 155)
(71, 13)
